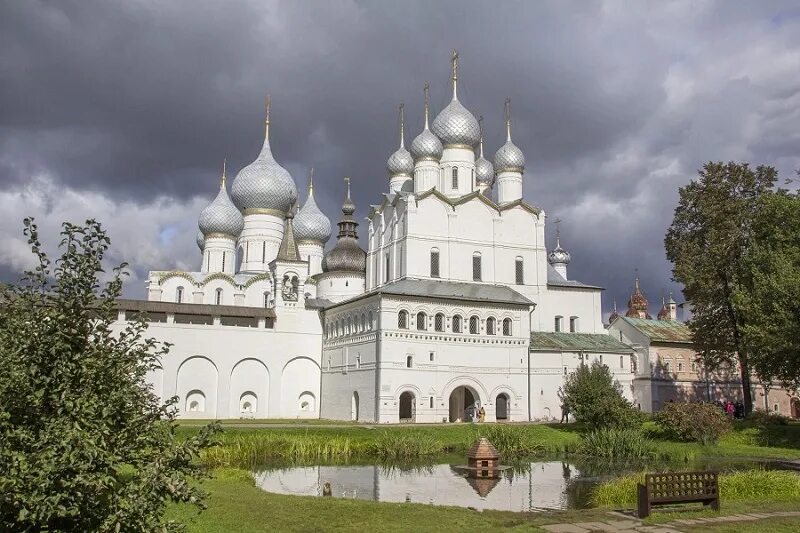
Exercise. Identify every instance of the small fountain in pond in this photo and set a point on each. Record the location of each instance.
(483, 468)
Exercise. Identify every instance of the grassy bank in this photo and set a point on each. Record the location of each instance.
(236, 504)
(750, 485)
(242, 445)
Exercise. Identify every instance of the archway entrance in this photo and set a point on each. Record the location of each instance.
(463, 404)
(354, 407)
(502, 407)
(407, 407)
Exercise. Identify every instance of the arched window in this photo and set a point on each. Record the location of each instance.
(434, 262)
(455, 177)
(239, 258)
(519, 271)
(457, 324)
(491, 325)
(349, 325)
(667, 366)
(195, 401)
(507, 327)
(409, 361)
(621, 362)
(363, 322)
(422, 321)
(402, 319)
(476, 267)
(387, 268)
(370, 323)
(680, 365)
(430, 400)
(218, 297)
(474, 325)
(179, 295)
(438, 322)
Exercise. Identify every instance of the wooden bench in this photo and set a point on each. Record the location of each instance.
(678, 487)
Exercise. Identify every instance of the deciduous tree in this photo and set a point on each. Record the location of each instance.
(85, 444)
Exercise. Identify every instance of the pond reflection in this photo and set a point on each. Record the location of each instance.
(536, 486)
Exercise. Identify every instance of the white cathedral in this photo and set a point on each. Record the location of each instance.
(456, 304)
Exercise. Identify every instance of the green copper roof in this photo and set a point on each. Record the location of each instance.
(661, 330)
(577, 342)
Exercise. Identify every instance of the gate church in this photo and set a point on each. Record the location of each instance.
(456, 304)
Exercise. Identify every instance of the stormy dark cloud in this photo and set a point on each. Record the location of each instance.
(125, 110)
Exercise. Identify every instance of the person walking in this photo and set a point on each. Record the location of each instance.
(482, 414)
(729, 409)
(564, 413)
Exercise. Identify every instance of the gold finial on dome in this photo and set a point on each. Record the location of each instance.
(508, 119)
(427, 91)
(454, 61)
(267, 106)
(222, 179)
(402, 125)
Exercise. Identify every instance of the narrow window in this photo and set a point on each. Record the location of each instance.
(601, 359)
(694, 367)
(474, 325)
(358, 361)
(476, 266)
(438, 322)
(431, 354)
(507, 327)
(223, 260)
(364, 322)
(266, 299)
(422, 321)
(573, 324)
(490, 325)
(519, 271)
(667, 366)
(430, 404)
(409, 361)
(240, 257)
(680, 365)
(633, 364)
(557, 325)
(455, 177)
(218, 297)
(402, 320)
(434, 262)
(349, 325)
(621, 362)
(369, 322)
(179, 295)
(565, 371)
(264, 251)
(387, 268)
(457, 324)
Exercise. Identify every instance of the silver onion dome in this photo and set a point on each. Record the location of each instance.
(264, 184)
(426, 145)
(200, 240)
(559, 256)
(509, 157)
(311, 224)
(400, 163)
(484, 171)
(221, 216)
(456, 125)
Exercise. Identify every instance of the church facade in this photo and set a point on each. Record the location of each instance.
(457, 304)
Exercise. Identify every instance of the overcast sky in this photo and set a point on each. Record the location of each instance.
(124, 110)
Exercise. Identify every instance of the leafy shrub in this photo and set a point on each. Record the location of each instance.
(613, 443)
(595, 399)
(759, 417)
(693, 422)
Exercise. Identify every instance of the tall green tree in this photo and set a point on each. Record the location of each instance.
(769, 298)
(85, 444)
(595, 398)
(710, 234)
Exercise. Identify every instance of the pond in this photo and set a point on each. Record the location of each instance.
(534, 486)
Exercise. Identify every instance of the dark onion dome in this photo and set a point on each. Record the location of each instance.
(426, 145)
(346, 255)
(484, 170)
(509, 157)
(559, 256)
(264, 184)
(401, 163)
(221, 216)
(455, 125)
(311, 224)
(614, 314)
(200, 240)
